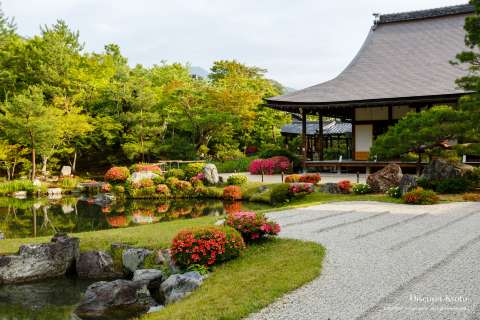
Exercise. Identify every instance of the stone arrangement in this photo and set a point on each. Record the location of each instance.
(385, 178)
(134, 280)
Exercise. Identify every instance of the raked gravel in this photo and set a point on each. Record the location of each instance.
(386, 261)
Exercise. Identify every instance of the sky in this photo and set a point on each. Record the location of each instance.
(300, 42)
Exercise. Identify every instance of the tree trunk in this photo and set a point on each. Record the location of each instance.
(44, 165)
(74, 164)
(34, 165)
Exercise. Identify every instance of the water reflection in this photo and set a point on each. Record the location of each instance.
(43, 217)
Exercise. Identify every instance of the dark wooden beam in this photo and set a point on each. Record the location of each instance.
(304, 138)
(320, 135)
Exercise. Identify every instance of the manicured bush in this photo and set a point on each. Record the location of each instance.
(312, 178)
(345, 186)
(232, 193)
(420, 196)
(119, 189)
(394, 192)
(143, 183)
(280, 193)
(138, 167)
(237, 165)
(143, 193)
(237, 179)
(181, 187)
(193, 169)
(117, 174)
(107, 187)
(269, 153)
(175, 173)
(269, 166)
(471, 197)
(453, 185)
(293, 178)
(158, 180)
(361, 188)
(206, 246)
(252, 226)
(300, 189)
(197, 181)
(163, 190)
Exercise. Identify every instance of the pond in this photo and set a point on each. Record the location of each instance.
(20, 218)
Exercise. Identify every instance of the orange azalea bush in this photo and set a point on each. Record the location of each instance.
(293, 178)
(420, 196)
(232, 193)
(117, 174)
(345, 186)
(107, 187)
(206, 246)
(251, 225)
(163, 190)
(312, 178)
(138, 167)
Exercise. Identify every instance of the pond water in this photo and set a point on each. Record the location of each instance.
(20, 218)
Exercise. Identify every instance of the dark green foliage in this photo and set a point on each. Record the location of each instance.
(237, 179)
(280, 193)
(453, 185)
(175, 173)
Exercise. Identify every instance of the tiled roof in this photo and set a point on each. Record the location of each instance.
(329, 128)
(408, 58)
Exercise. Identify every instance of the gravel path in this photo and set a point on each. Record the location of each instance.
(386, 261)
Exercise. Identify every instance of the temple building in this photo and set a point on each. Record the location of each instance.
(403, 66)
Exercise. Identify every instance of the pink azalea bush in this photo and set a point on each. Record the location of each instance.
(269, 166)
(252, 226)
(300, 189)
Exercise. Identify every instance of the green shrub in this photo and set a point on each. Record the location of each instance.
(159, 180)
(237, 179)
(144, 193)
(452, 185)
(69, 182)
(175, 173)
(119, 189)
(192, 169)
(280, 193)
(361, 188)
(237, 165)
(394, 192)
(8, 187)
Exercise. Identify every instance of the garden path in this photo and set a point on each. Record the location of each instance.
(386, 261)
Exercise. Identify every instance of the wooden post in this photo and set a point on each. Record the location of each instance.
(320, 135)
(304, 139)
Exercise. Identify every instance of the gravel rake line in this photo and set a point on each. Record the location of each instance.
(415, 280)
(404, 243)
(318, 219)
(476, 313)
(344, 224)
(391, 226)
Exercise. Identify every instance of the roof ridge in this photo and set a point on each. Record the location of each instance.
(424, 14)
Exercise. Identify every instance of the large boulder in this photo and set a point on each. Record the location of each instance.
(440, 169)
(163, 257)
(385, 178)
(119, 299)
(178, 286)
(40, 261)
(211, 173)
(407, 183)
(96, 265)
(133, 258)
(66, 171)
(137, 176)
(152, 278)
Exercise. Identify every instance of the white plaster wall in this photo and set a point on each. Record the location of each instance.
(363, 137)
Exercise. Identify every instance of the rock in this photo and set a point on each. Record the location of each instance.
(51, 191)
(178, 286)
(440, 169)
(37, 183)
(137, 176)
(103, 199)
(155, 309)
(96, 265)
(66, 171)
(407, 183)
(164, 257)
(67, 208)
(40, 261)
(20, 194)
(133, 258)
(119, 299)
(152, 278)
(211, 173)
(385, 178)
(330, 187)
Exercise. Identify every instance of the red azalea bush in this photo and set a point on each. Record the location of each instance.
(345, 186)
(300, 189)
(251, 225)
(117, 174)
(138, 167)
(312, 178)
(107, 187)
(206, 246)
(269, 166)
(232, 193)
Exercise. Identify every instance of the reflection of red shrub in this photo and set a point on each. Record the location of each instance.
(106, 210)
(143, 216)
(206, 246)
(107, 187)
(232, 207)
(117, 221)
(163, 208)
(232, 193)
(313, 178)
(117, 174)
(251, 225)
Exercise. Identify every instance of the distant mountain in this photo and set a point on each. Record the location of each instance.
(198, 72)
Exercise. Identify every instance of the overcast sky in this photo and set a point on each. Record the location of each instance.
(300, 42)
